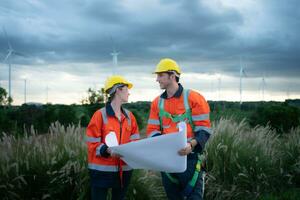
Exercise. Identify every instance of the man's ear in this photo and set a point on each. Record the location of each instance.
(173, 76)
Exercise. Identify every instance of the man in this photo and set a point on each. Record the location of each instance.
(177, 104)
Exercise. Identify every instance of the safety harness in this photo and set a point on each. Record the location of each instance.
(187, 116)
(191, 184)
(177, 118)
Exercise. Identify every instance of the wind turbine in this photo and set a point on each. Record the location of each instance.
(1, 56)
(10, 53)
(25, 90)
(114, 55)
(242, 74)
(263, 87)
(219, 87)
(47, 92)
(288, 92)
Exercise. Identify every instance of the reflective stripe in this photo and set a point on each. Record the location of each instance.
(128, 115)
(135, 136)
(204, 128)
(167, 126)
(186, 99)
(200, 117)
(104, 116)
(172, 133)
(153, 121)
(153, 133)
(108, 168)
(98, 150)
(161, 103)
(92, 139)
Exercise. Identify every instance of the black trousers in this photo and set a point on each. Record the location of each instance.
(101, 182)
(99, 193)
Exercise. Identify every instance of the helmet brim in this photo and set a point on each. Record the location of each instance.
(129, 85)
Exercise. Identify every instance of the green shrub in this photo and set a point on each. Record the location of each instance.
(290, 194)
(280, 117)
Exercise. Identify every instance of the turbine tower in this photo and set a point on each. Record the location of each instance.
(114, 55)
(47, 92)
(263, 87)
(10, 53)
(288, 92)
(25, 90)
(219, 88)
(242, 74)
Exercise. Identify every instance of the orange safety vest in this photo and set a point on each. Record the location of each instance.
(176, 106)
(100, 125)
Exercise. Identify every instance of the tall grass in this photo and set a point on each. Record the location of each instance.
(243, 163)
(54, 166)
(48, 166)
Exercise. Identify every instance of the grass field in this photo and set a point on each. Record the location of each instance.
(243, 163)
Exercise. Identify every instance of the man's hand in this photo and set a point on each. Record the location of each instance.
(187, 150)
(115, 155)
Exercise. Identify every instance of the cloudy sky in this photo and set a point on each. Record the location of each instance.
(68, 44)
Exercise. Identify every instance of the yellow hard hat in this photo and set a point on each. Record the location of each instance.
(115, 79)
(166, 65)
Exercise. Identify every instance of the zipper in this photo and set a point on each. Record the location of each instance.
(120, 165)
(120, 122)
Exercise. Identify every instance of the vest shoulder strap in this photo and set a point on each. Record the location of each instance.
(104, 115)
(128, 115)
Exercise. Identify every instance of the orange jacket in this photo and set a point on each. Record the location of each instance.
(175, 106)
(103, 122)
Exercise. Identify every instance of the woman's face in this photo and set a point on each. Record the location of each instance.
(123, 94)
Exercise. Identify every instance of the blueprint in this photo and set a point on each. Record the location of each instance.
(157, 153)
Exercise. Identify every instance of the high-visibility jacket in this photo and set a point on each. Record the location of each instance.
(175, 106)
(103, 122)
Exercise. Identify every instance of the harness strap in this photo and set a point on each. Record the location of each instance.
(176, 118)
(191, 184)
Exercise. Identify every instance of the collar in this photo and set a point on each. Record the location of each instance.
(177, 93)
(110, 111)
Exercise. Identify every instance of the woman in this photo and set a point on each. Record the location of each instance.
(106, 169)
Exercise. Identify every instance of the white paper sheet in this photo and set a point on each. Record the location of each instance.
(157, 153)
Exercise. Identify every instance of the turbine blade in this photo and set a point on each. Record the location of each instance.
(19, 54)
(7, 56)
(244, 73)
(113, 44)
(6, 37)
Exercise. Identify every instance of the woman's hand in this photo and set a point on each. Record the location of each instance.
(114, 155)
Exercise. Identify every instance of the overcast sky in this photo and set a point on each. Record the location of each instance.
(68, 45)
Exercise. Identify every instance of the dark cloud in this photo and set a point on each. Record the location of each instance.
(189, 31)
